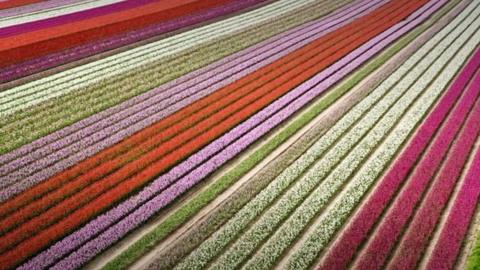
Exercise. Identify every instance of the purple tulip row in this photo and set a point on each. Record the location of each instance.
(102, 45)
(445, 252)
(420, 230)
(218, 152)
(114, 127)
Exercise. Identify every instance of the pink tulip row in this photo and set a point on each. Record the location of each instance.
(419, 232)
(343, 250)
(446, 250)
(393, 223)
(220, 152)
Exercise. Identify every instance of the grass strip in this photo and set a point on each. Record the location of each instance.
(474, 259)
(282, 238)
(227, 150)
(188, 210)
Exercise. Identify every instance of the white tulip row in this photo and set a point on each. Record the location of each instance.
(76, 78)
(241, 248)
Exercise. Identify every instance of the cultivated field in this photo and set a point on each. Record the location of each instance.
(240, 134)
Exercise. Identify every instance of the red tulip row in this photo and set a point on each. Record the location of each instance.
(110, 192)
(167, 134)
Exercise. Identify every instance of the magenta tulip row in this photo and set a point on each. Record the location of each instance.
(427, 216)
(393, 223)
(345, 247)
(113, 128)
(218, 152)
(446, 250)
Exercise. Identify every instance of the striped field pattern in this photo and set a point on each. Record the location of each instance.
(240, 134)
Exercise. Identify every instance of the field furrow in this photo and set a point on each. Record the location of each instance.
(228, 134)
(296, 192)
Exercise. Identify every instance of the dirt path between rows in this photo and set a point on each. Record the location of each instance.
(123, 244)
(324, 120)
(399, 58)
(204, 213)
(319, 124)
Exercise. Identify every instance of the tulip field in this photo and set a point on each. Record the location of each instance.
(240, 134)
